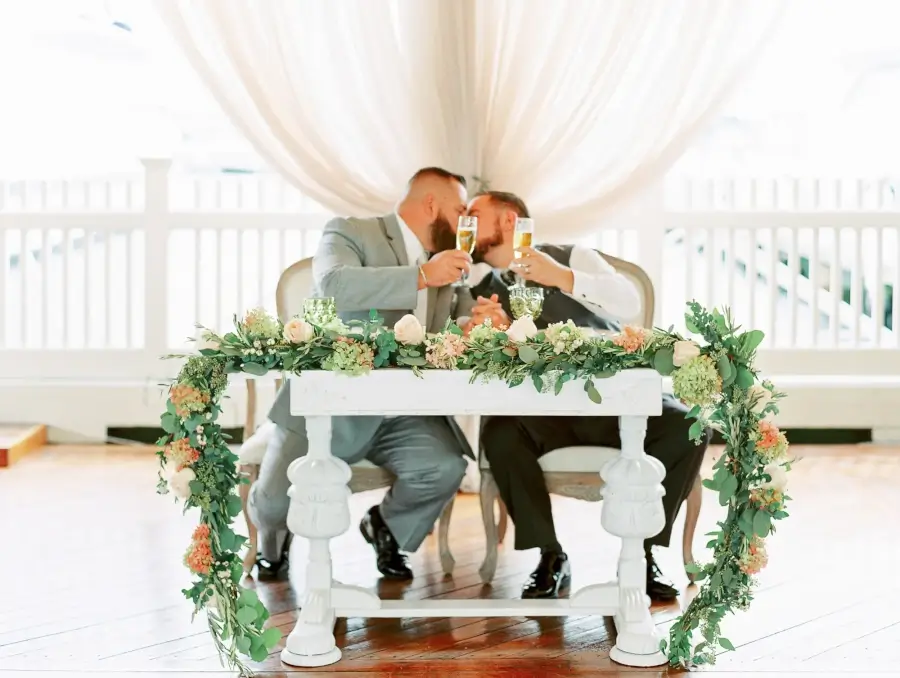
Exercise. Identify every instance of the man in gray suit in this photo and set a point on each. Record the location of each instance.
(380, 263)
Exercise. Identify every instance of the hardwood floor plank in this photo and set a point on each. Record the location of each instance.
(98, 593)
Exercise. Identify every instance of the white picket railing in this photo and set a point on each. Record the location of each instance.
(98, 279)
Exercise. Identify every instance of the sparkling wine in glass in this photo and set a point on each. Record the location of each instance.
(466, 236)
(522, 237)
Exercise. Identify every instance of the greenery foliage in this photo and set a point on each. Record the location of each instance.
(717, 379)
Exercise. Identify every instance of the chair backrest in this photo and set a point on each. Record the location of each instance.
(642, 281)
(294, 285)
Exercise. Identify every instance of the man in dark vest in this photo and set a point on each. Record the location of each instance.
(581, 286)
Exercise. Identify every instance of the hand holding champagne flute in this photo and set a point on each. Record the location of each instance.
(522, 237)
(466, 236)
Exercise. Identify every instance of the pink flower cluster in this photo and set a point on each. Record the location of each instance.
(771, 443)
(632, 338)
(187, 399)
(199, 557)
(445, 350)
(765, 497)
(756, 557)
(181, 454)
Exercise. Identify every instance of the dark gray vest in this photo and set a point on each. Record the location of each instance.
(558, 307)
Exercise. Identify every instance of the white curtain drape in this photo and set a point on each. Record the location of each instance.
(573, 105)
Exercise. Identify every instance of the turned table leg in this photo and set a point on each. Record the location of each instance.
(319, 511)
(633, 510)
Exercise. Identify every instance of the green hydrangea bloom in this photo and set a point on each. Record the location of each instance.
(697, 382)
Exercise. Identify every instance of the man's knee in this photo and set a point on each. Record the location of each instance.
(498, 436)
(449, 472)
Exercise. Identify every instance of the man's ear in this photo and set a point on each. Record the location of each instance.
(509, 221)
(430, 205)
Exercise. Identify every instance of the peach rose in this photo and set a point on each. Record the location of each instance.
(684, 351)
(297, 331)
(408, 330)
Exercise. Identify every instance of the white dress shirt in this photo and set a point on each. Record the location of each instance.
(417, 256)
(596, 285)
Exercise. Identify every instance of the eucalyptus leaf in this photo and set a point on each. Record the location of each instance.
(726, 371)
(744, 378)
(751, 340)
(762, 523)
(270, 637)
(663, 361)
(729, 487)
(243, 644)
(527, 354)
(724, 642)
(255, 369)
(593, 393)
(169, 422)
(246, 615)
(690, 324)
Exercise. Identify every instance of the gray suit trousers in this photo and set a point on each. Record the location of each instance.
(422, 452)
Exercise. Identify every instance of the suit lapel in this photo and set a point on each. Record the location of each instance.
(391, 229)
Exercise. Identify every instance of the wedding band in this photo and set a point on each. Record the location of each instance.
(526, 267)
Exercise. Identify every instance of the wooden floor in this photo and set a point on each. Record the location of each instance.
(91, 572)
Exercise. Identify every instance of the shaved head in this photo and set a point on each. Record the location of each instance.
(433, 202)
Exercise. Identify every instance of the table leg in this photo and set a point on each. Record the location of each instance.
(319, 511)
(633, 510)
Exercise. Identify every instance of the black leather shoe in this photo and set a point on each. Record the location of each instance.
(658, 587)
(272, 570)
(390, 562)
(553, 574)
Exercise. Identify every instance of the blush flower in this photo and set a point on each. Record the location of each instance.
(199, 557)
(771, 443)
(181, 454)
(444, 350)
(187, 399)
(755, 559)
(632, 338)
(259, 324)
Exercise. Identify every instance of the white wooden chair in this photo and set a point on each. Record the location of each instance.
(294, 286)
(575, 471)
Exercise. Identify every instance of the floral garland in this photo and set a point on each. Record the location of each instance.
(717, 380)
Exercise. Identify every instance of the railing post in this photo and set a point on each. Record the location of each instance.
(652, 240)
(156, 236)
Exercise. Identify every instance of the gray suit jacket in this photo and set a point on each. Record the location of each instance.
(362, 264)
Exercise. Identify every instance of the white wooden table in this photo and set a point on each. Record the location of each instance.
(632, 507)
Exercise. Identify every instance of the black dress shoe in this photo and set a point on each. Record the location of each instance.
(658, 587)
(553, 574)
(272, 570)
(390, 562)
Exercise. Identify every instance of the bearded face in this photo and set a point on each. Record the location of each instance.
(443, 237)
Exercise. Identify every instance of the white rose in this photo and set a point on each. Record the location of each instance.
(297, 331)
(778, 476)
(180, 483)
(409, 330)
(763, 395)
(522, 329)
(684, 351)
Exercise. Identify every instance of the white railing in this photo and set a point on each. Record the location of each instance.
(98, 279)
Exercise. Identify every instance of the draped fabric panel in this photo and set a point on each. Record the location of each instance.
(573, 105)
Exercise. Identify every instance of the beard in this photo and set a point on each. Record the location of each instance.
(485, 247)
(443, 237)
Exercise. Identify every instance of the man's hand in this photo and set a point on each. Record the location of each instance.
(445, 268)
(485, 309)
(543, 269)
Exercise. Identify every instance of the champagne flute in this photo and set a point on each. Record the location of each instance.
(522, 237)
(466, 237)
